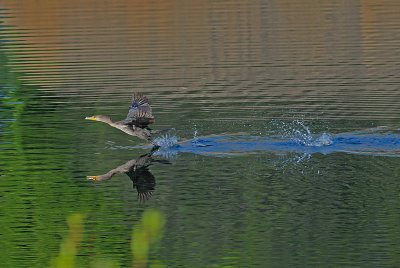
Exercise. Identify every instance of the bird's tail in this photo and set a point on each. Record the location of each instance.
(154, 149)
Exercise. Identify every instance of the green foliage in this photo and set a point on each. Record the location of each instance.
(144, 235)
(69, 248)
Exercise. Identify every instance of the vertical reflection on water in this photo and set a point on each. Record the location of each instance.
(223, 67)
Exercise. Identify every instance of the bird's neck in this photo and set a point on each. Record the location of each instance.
(108, 120)
(109, 174)
(104, 177)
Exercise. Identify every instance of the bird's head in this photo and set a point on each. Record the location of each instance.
(103, 177)
(94, 117)
(92, 178)
(101, 118)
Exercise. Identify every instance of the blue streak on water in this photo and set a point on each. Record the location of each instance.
(372, 144)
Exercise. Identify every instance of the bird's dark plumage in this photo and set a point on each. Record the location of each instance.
(136, 122)
(138, 172)
(140, 113)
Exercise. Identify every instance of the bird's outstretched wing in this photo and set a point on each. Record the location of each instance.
(140, 113)
(143, 181)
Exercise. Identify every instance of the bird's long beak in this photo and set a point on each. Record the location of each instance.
(92, 178)
(90, 118)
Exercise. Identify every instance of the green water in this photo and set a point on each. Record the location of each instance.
(209, 68)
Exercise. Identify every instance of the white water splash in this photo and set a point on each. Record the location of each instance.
(299, 132)
(323, 140)
(166, 141)
(166, 144)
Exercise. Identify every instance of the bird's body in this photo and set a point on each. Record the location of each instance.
(137, 170)
(128, 168)
(136, 122)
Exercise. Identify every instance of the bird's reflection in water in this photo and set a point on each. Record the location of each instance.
(138, 171)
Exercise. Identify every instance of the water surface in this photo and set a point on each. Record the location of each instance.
(287, 116)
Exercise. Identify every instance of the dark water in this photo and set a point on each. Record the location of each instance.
(287, 115)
